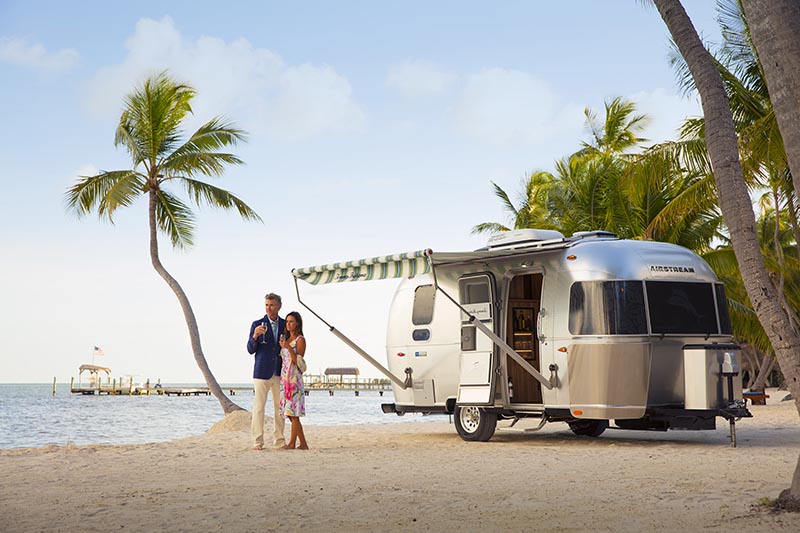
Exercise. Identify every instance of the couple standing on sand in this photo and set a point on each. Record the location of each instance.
(278, 346)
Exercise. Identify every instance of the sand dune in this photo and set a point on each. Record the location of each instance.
(421, 477)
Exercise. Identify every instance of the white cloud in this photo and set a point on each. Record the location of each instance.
(502, 107)
(35, 56)
(418, 78)
(252, 86)
(666, 111)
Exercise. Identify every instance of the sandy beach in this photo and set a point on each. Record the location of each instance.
(422, 477)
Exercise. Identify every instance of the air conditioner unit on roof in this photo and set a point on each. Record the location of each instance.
(521, 237)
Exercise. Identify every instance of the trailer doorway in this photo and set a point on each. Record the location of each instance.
(524, 297)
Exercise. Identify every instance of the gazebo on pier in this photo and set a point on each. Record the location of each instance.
(94, 374)
(341, 372)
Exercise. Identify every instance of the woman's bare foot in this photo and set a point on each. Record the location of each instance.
(257, 448)
(303, 447)
(287, 447)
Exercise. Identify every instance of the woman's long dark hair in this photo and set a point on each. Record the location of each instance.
(299, 329)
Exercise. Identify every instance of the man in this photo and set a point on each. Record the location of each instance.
(264, 343)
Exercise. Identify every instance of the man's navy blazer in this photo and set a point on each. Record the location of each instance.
(268, 354)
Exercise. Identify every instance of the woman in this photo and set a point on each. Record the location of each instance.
(292, 390)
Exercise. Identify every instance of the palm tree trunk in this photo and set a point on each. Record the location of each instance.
(774, 27)
(764, 370)
(751, 357)
(191, 322)
(734, 200)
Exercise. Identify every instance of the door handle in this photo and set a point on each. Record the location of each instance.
(539, 332)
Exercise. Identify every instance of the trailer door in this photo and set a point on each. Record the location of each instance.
(477, 361)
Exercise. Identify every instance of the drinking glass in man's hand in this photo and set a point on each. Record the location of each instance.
(264, 334)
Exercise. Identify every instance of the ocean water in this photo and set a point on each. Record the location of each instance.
(30, 416)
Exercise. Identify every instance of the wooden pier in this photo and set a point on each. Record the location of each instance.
(312, 382)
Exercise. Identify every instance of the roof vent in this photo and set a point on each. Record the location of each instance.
(598, 233)
(521, 237)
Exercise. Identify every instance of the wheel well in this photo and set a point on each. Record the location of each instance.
(450, 405)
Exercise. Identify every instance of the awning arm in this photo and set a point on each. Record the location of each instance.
(404, 384)
(489, 333)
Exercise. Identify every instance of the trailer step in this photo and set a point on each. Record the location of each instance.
(512, 428)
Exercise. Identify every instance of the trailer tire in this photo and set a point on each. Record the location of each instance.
(588, 428)
(474, 423)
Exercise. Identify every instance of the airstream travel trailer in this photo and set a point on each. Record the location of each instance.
(590, 330)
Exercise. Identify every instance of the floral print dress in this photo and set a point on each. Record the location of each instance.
(292, 389)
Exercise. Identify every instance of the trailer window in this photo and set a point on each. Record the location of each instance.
(607, 308)
(474, 291)
(422, 312)
(722, 308)
(679, 307)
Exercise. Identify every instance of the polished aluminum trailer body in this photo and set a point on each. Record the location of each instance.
(588, 329)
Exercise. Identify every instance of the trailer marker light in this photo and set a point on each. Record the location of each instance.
(400, 354)
(577, 412)
(572, 257)
(562, 350)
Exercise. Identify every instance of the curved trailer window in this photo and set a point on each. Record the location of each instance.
(681, 308)
(675, 307)
(422, 312)
(607, 308)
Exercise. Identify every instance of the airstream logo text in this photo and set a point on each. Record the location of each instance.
(349, 276)
(670, 268)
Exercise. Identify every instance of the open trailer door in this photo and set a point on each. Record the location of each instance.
(476, 294)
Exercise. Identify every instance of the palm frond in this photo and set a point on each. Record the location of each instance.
(723, 262)
(197, 154)
(488, 227)
(175, 219)
(149, 125)
(508, 205)
(204, 193)
(746, 327)
(191, 164)
(106, 192)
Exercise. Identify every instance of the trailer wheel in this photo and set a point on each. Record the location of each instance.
(588, 428)
(474, 423)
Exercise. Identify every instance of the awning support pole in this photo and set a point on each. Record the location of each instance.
(489, 333)
(400, 383)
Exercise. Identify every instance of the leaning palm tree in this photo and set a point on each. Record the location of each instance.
(149, 129)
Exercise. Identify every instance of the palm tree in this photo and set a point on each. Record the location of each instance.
(762, 151)
(606, 185)
(774, 26)
(763, 156)
(530, 213)
(618, 132)
(149, 130)
(734, 200)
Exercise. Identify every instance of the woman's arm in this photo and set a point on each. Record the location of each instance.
(299, 349)
(301, 346)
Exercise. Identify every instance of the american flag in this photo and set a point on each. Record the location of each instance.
(98, 351)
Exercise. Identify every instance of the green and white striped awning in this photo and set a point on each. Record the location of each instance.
(402, 265)
(407, 264)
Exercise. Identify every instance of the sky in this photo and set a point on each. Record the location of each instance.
(374, 128)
